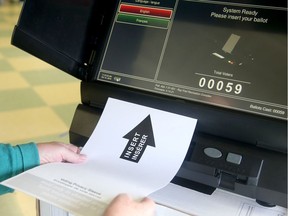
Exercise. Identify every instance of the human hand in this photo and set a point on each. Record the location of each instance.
(123, 205)
(59, 152)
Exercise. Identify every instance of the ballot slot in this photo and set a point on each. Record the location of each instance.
(247, 128)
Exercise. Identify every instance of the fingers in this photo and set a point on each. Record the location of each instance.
(126, 198)
(73, 157)
(148, 206)
(149, 202)
(59, 152)
(71, 154)
(124, 205)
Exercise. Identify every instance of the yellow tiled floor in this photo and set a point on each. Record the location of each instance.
(37, 102)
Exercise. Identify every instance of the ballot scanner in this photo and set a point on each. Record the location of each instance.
(221, 62)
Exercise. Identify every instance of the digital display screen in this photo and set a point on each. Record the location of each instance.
(226, 54)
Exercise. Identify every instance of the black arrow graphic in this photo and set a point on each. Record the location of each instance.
(139, 138)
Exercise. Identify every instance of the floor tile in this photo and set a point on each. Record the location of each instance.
(11, 80)
(28, 123)
(60, 137)
(5, 65)
(66, 112)
(20, 202)
(5, 41)
(6, 30)
(64, 93)
(19, 99)
(50, 76)
(27, 63)
(11, 51)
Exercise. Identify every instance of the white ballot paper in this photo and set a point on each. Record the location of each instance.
(134, 149)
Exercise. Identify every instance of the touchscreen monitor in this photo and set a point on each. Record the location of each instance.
(227, 54)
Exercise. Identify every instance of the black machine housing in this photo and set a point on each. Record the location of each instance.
(241, 151)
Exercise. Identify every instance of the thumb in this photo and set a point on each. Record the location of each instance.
(148, 203)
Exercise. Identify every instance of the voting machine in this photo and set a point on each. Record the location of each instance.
(221, 62)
